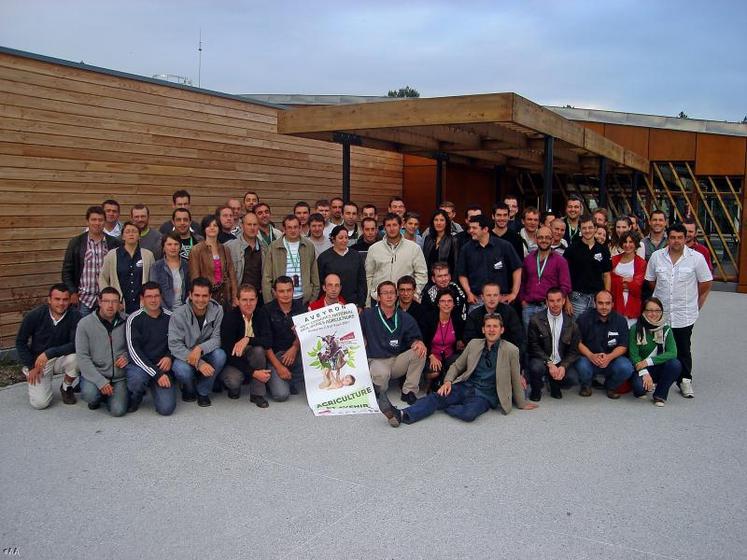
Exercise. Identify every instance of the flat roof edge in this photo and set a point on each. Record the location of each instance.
(137, 77)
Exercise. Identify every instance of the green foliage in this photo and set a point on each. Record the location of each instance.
(406, 91)
(683, 115)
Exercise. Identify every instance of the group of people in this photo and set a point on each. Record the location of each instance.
(463, 314)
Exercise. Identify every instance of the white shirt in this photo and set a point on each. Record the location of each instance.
(556, 325)
(677, 284)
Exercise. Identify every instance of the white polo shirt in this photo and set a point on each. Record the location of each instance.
(677, 284)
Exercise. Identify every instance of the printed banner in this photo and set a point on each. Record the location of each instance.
(335, 365)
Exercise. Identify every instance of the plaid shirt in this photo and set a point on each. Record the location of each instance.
(89, 278)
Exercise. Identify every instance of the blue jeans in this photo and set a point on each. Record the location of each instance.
(580, 303)
(116, 404)
(84, 310)
(529, 310)
(138, 381)
(619, 370)
(463, 403)
(663, 375)
(192, 380)
(280, 388)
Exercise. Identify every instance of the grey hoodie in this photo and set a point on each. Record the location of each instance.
(97, 351)
(185, 332)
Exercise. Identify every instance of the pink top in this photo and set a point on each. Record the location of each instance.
(217, 270)
(444, 340)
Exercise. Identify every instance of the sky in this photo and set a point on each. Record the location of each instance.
(654, 57)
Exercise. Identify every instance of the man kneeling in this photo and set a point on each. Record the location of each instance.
(485, 376)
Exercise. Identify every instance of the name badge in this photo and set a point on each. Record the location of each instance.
(598, 257)
(613, 333)
(394, 343)
(139, 264)
(498, 265)
(612, 342)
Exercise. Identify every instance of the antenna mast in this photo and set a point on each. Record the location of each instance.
(199, 60)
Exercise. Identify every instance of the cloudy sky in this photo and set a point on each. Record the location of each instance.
(658, 57)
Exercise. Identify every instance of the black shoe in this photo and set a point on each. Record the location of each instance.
(555, 392)
(393, 416)
(293, 389)
(134, 405)
(259, 400)
(188, 396)
(535, 395)
(76, 389)
(94, 405)
(409, 398)
(585, 391)
(203, 401)
(218, 386)
(234, 393)
(612, 394)
(68, 396)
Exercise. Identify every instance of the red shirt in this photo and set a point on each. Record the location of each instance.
(319, 303)
(703, 250)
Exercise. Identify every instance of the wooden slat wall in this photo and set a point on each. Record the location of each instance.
(71, 137)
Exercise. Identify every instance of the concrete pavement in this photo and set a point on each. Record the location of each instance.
(577, 478)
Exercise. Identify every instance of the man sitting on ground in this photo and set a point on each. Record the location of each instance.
(553, 345)
(604, 343)
(486, 375)
(147, 335)
(394, 344)
(45, 344)
(194, 341)
(246, 357)
(101, 351)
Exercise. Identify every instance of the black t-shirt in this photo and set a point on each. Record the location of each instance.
(587, 266)
(495, 262)
(186, 248)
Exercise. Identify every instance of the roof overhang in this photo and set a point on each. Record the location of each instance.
(488, 129)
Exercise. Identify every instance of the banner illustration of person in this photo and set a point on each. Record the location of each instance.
(335, 365)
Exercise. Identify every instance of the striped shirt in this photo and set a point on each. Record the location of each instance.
(93, 260)
(293, 266)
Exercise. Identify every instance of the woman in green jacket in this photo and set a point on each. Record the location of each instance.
(653, 351)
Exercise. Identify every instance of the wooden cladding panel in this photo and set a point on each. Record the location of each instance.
(70, 138)
(720, 155)
(630, 137)
(671, 145)
(465, 186)
(418, 185)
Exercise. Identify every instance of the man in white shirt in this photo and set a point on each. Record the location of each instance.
(681, 279)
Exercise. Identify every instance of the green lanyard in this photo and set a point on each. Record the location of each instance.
(295, 261)
(267, 238)
(386, 325)
(541, 269)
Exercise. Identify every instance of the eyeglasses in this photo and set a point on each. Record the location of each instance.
(652, 310)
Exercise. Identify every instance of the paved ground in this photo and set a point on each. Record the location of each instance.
(578, 478)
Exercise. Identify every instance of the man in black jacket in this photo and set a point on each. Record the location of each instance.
(147, 335)
(441, 280)
(84, 258)
(553, 345)
(246, 356)
(513, 332)
(46, 345)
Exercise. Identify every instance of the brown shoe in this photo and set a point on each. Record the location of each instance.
(585, 391)
(611, 394)
(68, 396)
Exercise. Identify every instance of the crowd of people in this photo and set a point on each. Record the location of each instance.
(486, 314)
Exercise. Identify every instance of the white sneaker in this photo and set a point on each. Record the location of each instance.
(686, 388)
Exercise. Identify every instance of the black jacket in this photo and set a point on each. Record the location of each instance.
(231, 331)
(513, 328)
(447, 252)
(540, 339)
(72, 265)
(38, 334)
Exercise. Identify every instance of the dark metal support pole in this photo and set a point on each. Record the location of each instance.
(603, 182)
(548, 172)
(346, 171)
(500, 172)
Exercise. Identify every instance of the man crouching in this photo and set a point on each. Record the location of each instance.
(486, 375)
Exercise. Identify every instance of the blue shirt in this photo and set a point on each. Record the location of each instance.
(483, 377)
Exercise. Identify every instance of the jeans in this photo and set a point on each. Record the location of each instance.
(138, 381)
(682, 337)
(280, 388)
(529, 310)
(192, 380)
(462, 402)
(619, 370)
(84, 310)
(663, 375)
(580, 303)
(116, 404)
(40, 395)
(233, 377)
